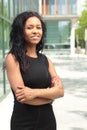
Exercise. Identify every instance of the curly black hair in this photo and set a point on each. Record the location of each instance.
(17, 38)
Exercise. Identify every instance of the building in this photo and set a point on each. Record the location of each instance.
(8, 10)
(60, 17)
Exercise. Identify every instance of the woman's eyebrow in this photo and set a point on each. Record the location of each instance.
(33, 24)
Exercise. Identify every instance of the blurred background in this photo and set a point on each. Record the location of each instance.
(66, 45)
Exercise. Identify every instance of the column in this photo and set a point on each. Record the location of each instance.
(72, 40)
(40, 7)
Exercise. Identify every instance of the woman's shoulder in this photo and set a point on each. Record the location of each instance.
(10, 57)
(10, 60)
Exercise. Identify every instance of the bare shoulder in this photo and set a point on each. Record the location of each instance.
(51, 68)
(9, 57)
(50, 62)
(10, 61)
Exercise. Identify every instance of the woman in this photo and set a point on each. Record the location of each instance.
(33, 79)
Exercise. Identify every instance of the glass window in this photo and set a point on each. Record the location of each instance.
(0, 35)
(16, 9)
(11, 9)
(30, 5)
(6, 10)
(51, 6)
(4, 43)
(6, 36)
(57, 7)
(72, 5)
(63, 31)
(20, 6)
(25, 5)
(1, 60)
(62, 6)
(58, 33)
(35, 5)
(5, 50)
(52, 32)
(0, 7)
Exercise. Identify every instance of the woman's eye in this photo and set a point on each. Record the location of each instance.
(39, 28)
(29, 27)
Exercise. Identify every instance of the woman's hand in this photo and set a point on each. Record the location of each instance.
(24, 94)
(29, 96)
(55, 81)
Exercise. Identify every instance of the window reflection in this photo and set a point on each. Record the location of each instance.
(58, 33)
(0, 35)
(16, 7)
(1, 56)
(72, 5)
(6, 11)
(0, 7)
(51, 6)
(11, 9)
(62, 6)
(64, 31)
(6, 35)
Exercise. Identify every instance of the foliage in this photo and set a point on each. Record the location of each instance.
(80, 31)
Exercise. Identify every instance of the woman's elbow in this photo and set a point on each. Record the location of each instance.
(62, 93)
(61, 90)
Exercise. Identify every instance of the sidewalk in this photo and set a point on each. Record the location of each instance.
(5, 112)
(71, 113)
(71, 110)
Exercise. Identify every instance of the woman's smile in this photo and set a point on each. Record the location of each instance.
(33, 30)
(35, 37)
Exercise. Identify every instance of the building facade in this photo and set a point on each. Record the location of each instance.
(8, 10)
(60, 17)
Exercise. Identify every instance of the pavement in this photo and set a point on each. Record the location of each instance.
(6, 107)
(70, 110)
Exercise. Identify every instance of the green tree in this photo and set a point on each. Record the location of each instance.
(82, 25)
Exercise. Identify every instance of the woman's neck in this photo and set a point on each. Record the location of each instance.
(31, 51)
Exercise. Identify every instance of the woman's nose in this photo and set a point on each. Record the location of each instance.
(34, 30)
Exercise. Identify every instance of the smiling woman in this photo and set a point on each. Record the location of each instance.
(33, 30)
(32, 76)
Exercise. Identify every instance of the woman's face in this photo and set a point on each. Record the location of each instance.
(33, 30)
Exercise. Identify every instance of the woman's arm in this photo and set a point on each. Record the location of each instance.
(37, 101)
(56, 90)
(15, 80)
(13, 72)
(51, 93)
(29, 96)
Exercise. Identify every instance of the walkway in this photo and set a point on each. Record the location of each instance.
(71, 110)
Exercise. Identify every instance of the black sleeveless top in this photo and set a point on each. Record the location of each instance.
(37, 75)
(32, 117)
